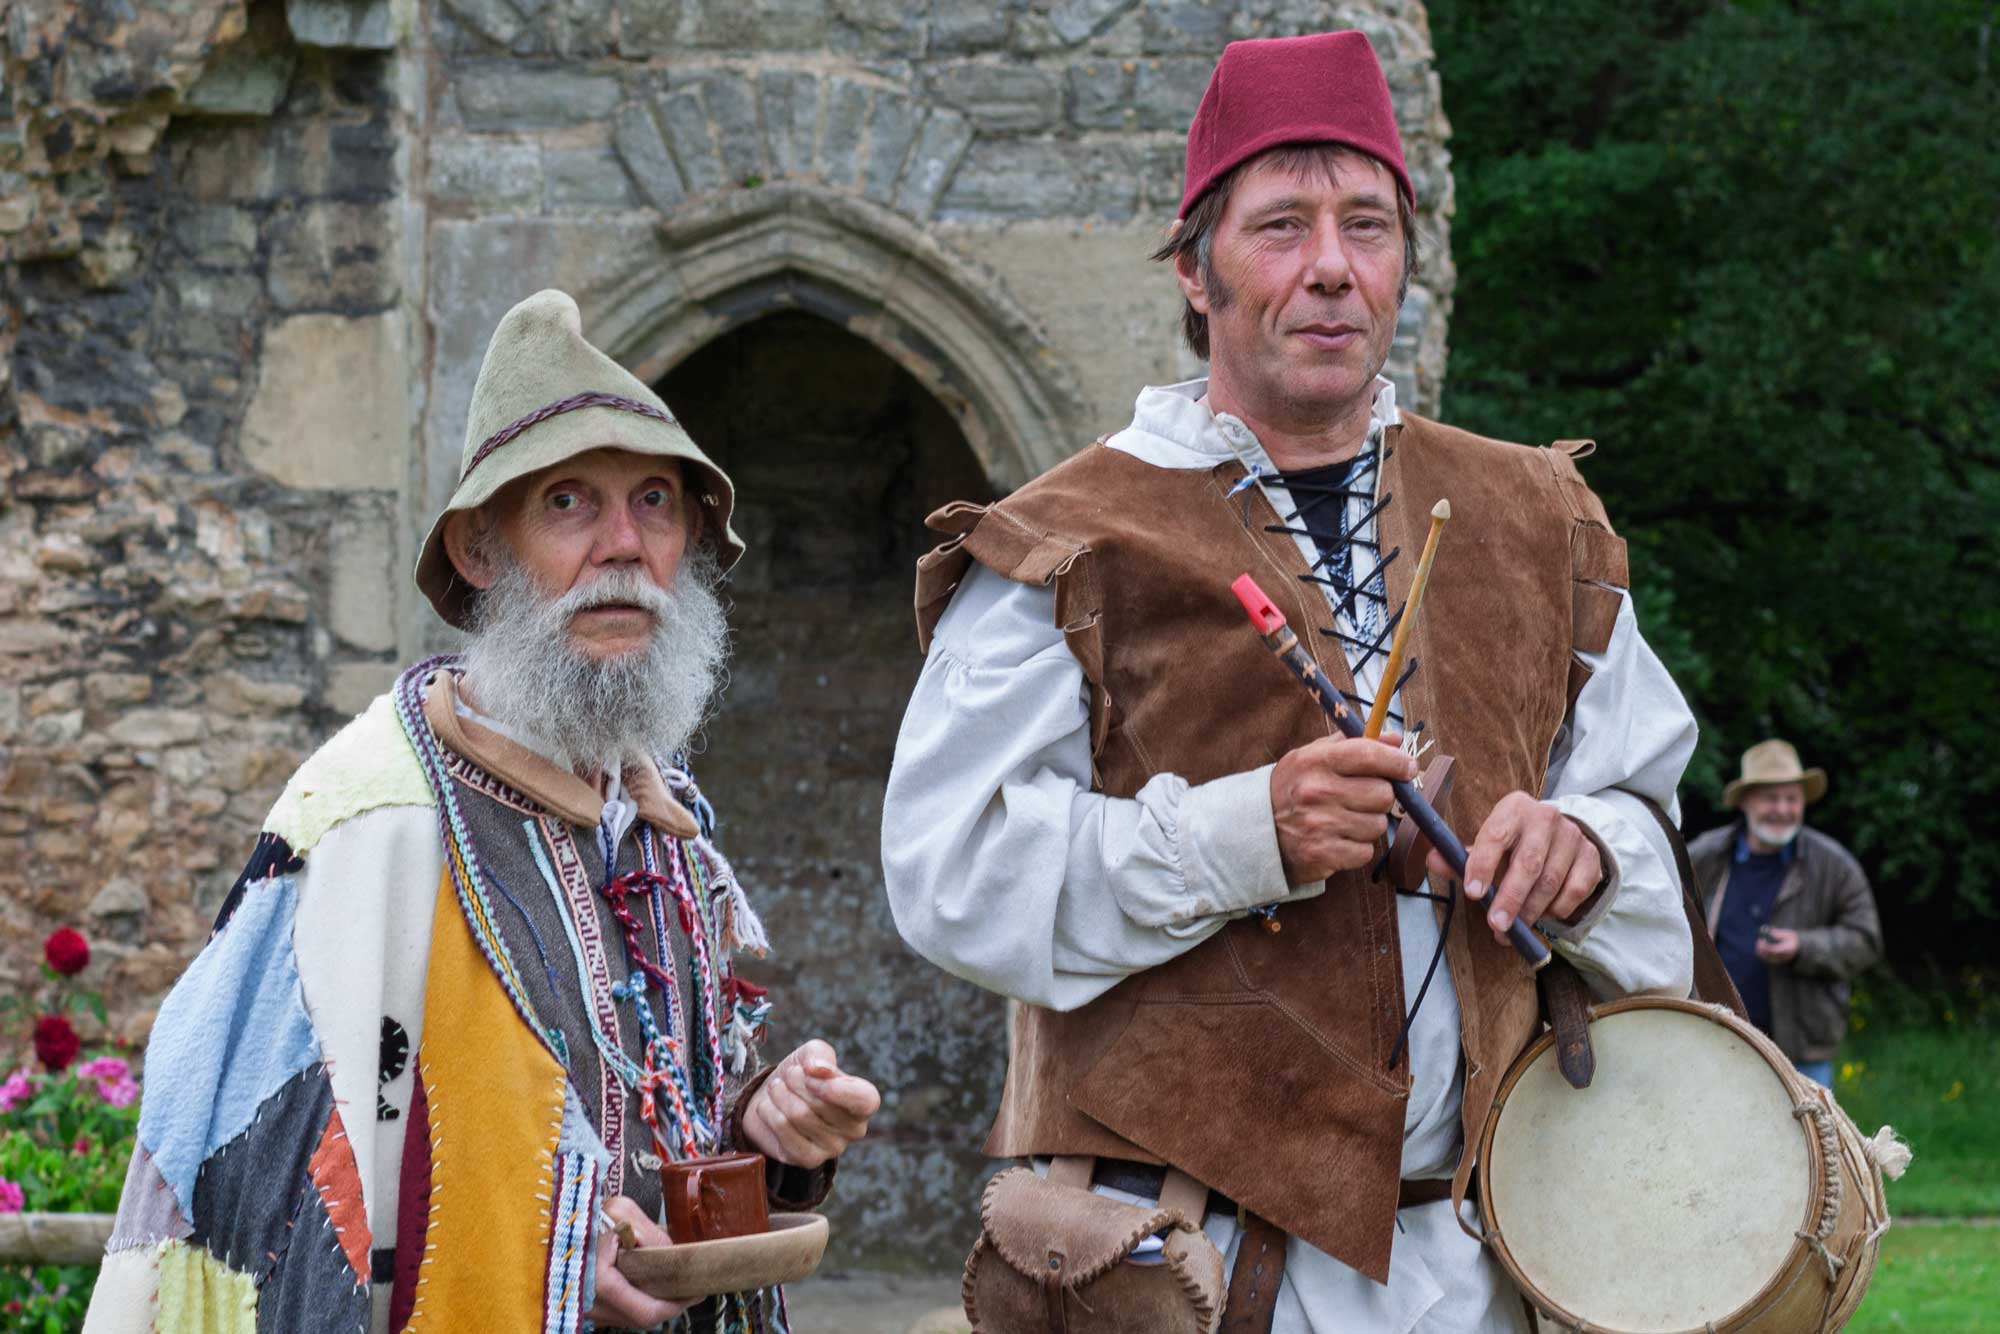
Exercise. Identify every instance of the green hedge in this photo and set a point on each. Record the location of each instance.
(1751, 249)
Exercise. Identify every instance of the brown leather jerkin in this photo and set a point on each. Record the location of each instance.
(1259, 1062)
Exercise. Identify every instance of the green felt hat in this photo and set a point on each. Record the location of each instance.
(545, 395)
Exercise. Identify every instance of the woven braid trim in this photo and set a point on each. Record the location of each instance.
(512, 430)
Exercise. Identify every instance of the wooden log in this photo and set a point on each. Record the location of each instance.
(54, 1239)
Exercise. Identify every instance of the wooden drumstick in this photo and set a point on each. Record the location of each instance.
(1378, 712)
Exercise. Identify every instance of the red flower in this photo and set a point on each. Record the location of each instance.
(55, 1042)
(67, 951)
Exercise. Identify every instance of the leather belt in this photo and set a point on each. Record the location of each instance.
(1260, 1251)
(1147, 1179)
(1252, 1303)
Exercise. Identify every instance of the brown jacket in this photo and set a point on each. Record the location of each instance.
(1259, 1062)
(1826, 899)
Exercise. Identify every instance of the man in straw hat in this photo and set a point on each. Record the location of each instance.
(478, 979)
(1111, 804)
(1790, 909)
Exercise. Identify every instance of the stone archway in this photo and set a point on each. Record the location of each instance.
(730, 259)
(838, 452)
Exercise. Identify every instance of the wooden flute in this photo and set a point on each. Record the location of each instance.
(1278, 636)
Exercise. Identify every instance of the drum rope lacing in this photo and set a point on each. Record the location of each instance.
(1829, 1207)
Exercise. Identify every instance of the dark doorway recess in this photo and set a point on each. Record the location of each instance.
(838, 453)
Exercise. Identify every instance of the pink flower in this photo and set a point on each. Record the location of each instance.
(18, 1088)
(114, 1079)
(82, 1145)
(11, 1198)
(104, 1067)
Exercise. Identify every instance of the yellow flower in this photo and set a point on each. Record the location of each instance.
(1951, 1094)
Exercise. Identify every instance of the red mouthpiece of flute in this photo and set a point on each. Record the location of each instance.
(1262, 612)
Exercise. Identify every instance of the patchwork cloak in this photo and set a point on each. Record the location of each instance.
(349, 1123)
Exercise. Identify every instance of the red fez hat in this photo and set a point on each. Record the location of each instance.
(1323, 89)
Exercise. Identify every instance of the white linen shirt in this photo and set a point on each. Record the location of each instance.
(1003, 867)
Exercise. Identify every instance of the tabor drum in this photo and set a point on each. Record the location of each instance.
(1699, 1183)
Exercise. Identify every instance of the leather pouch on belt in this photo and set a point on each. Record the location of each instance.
(1056, 1258)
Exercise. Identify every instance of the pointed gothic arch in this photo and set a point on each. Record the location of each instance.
(736, 257)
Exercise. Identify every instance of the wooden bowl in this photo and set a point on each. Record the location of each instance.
(787, 1253)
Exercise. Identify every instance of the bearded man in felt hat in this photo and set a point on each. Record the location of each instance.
(1108, 796)
(1790, 909)
(478, 979)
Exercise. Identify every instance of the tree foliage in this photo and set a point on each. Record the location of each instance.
(1754, 250)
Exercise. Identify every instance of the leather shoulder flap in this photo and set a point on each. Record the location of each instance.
(1030, 1221)
(999, 536)
(998, 540)
(1596, 553)
(941, 569)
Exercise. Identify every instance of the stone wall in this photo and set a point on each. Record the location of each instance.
(252, 254)
(201, 253)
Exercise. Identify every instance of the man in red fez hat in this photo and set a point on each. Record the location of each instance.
(1111, 804)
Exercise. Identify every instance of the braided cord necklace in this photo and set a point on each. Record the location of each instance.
(676, 1118)
(698, 917)
(461, 861)
(663, 1069)
(649, 859)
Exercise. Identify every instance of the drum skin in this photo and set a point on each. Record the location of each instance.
(1700, 1183)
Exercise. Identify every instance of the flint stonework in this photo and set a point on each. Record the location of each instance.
(790, 102)
(485, 172)
(890, 134)
(1005, 98)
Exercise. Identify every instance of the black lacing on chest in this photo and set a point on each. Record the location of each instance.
(1366, 607)
(1314, 493)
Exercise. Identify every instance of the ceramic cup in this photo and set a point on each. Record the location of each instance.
(711, 1198)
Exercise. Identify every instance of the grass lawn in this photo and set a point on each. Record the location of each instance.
(1935, 1280)
(1941, 1091)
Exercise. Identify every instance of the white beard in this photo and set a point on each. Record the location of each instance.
(523, 671)
(1774, 835)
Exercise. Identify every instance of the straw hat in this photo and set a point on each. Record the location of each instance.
(1774, 761)
(544, 395)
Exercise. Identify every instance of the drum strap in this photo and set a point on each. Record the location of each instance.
(1566, 998)
(1711, 978)
(1566, 1005)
